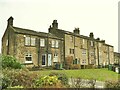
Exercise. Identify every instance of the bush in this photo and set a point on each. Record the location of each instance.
(48, 82)
(18, 77)
(10, 61)
(61, 76)
(112, 84)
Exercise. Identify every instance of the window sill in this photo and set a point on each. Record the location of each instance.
(28, 62)
(30, 45)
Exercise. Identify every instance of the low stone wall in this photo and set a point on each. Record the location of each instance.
(85, 83)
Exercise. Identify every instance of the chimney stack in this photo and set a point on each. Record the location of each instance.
(10, 21)
(55, 24)
(91, 35)
(76, 31)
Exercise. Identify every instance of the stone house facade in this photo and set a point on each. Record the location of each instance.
(117, 58)
(47, 49)
(86, 50)
(31, 47)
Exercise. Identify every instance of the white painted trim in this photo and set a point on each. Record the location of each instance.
(28, 62)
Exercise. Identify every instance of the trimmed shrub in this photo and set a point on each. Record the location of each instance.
(61, 76)
(48, 82)
(18, 77)
(112, 84)
(11, 62)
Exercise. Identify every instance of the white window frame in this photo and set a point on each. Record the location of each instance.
(83, 41)
(92, 53)
(71, 38)
(84, 52)
(7, 42)
(53, 43)
(28, 55)
(100, 44)
(91, 43)
(55, 57)
(42, 42)
(84, 61)
(71, 51)
(32, 41)
(57, 44)
(27, 40)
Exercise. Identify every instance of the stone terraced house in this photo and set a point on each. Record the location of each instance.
(46, 49)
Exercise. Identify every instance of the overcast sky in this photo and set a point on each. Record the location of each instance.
(97, 16)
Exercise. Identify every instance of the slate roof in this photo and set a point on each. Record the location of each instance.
(32, 32)
(82, 36)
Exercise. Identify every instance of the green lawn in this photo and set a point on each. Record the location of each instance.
(98, 74)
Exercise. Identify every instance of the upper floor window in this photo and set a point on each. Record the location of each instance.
(71, 51)
(27, 40)
(7, 42)
(99, 44)
(83, 41)
(71, 38)
(91, 43)
(42, 42)
(83, 52)
(30, 41)
(55, 43)
(92, 53)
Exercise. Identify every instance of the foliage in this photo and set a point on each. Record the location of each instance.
(10, 61)
(18, 77)
(61, 76)
(48, 82)
(112, 84)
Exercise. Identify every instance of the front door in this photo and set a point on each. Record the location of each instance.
(49, 60)
(43, 60)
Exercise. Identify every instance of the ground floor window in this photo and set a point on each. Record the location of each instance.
(84, 61)
(55, 58)
(28, 58)
(43, 60)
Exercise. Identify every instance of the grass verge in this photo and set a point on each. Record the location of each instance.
(98, 74)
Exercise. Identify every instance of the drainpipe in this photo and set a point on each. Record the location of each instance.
(47, 45)
(8, 42)
(74, 46)
(88, 51)
(38, 43)
(98, 52)
(108, 56)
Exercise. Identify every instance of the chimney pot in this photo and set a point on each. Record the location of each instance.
(91, 35)
(76, 31)
(55, 24)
